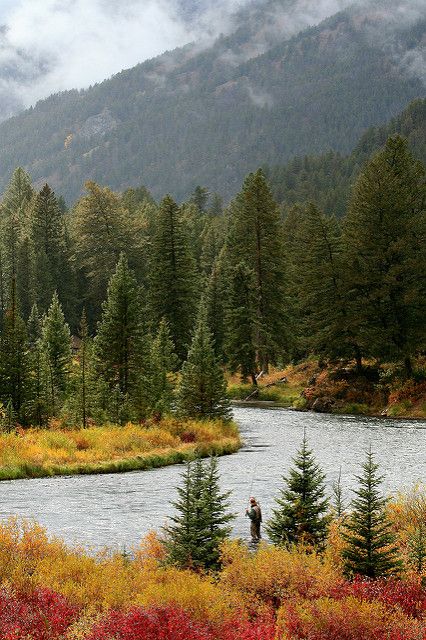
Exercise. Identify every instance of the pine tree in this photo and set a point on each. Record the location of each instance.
(370, 544)
(385, 257)
(215, 296)
(158, 380)
(101, 229)
(202, 390)
(52, 269)
(255, 236)
(302, 506)
(14, 356)
(173, 279)
(13, 228)
(56, 346)
(241, 323)
(202, 523)
(38, 404)
(118, 343)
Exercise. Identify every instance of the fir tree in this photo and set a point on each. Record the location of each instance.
(52, 269)
(216, 295)
(370, 544)
(118, 343)
(173, 277)
(255, 236)
(301, 514)
(241, 324)
(202, 390)
(385, 259)
(202, 523)
(56, 345)
(14, 356)
(158, 380)
(338, 502)
(37, 407)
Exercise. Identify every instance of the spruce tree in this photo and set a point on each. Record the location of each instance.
(216, 296)
(301, 516)
(101, 229)
(384, 254)
(52, 268)
(173, 279)
(56, 345)
(14, 357)
(157, 383)
(202, 523)
(241, 323)
(202, 389)
(38, 404)
(118, 343)
(370, 544)
(255, 236)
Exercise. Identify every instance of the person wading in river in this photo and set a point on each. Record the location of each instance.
(255, 515)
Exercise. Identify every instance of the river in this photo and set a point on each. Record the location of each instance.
(116, 510)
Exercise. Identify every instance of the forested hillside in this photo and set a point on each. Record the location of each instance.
(209, 115)
(327, 179)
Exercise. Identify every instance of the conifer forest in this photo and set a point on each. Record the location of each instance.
(213, 320)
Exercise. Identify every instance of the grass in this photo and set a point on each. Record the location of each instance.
(36, 453)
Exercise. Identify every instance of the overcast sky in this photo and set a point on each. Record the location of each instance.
(52, 45)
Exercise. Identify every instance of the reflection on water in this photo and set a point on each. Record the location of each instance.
(118, 509)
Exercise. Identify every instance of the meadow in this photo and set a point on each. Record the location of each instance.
(29, 453)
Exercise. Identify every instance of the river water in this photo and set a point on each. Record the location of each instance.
(117, 510)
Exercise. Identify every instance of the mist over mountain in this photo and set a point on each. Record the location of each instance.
(208, 112)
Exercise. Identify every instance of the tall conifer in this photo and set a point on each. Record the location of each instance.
(202, 389)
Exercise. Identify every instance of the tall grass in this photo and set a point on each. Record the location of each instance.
(35, 453)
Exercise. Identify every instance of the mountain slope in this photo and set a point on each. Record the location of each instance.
(209, 116)
(327, 179)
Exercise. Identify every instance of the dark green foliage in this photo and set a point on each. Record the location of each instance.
(14, 358)
(384, 255)
(56, 347)
(301, 516)
(241, 323)
(173, 278)
(370, 544)
(255, 237)
(202, 523)
(158, 381)
(202, 389)
(118, 342)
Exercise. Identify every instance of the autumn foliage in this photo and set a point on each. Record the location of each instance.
(52, 592)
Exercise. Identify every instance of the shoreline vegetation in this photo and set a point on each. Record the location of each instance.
(36, 453)
(376, 391)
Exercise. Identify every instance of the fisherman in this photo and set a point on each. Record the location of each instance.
(255, 515)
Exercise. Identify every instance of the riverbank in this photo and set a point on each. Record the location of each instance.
(378, 390)
(37, 453)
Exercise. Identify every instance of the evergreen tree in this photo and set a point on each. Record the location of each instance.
(118, 343)
(202, 523)
(158, 379)
(13, 226)
(301, 514)
(14, 357)
(338, 502)
(101, 229)
(202, 390)
(173, 277)
(37, 407)
(52, 269)
(216, 295)
(370, 544)
(241, 323)
(385, 255)
(255, 236)
(56, 345)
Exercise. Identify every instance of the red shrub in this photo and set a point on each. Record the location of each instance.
(406, 594)
(258, 630)
(167, 623)
(40, 615)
